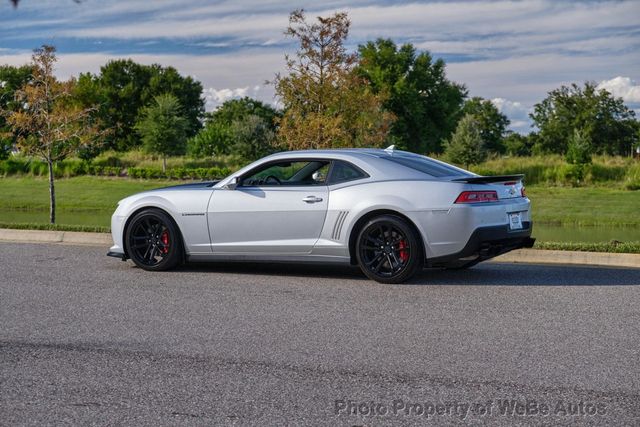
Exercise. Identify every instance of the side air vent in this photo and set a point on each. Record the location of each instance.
(337, 226)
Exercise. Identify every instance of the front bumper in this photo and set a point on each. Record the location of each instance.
(486, 243)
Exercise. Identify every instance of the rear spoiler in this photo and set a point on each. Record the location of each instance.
(489, 179)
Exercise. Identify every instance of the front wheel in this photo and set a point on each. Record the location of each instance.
(153, 241)
(389, 250)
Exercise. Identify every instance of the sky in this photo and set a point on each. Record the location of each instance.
(511, 52)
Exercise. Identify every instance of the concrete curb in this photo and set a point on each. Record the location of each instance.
(47, 236)
(525, 256)
(541, 256)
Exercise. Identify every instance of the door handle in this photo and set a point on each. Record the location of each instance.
(312, 199)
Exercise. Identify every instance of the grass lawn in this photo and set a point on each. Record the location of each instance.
(89, 201)
(585, 206)
(81, 201)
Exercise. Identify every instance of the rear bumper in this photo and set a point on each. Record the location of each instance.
(486, 243)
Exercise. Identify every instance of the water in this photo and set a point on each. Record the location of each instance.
(542, 232)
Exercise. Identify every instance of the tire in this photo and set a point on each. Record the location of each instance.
(153, 241)
(389, 250)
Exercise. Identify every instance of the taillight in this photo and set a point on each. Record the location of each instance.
(523, 192)
(477, 197)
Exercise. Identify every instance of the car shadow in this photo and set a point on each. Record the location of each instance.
(327, 271)
(485, 274)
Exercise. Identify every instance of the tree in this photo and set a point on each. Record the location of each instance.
(253, 137)
(187, 90)
(239, 109)
(604, 119)
(493, 124)
(466, 146)
(11, 80)
(326, 103)
(518, 145)
(425, 103)
(123, 88)
(214, 139)
(228, 128)
(163, 127)
(49, 124)
(579, 148)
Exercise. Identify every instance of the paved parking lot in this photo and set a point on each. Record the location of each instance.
(90, 339)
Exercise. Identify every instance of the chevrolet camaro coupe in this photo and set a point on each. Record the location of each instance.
(388, 211)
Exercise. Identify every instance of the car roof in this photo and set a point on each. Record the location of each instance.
(357, 152)
(371, 160)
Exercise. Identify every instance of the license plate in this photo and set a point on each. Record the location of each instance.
(515, 221)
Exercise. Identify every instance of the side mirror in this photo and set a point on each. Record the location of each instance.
(233, 184)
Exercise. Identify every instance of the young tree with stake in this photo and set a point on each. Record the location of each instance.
(49, 124)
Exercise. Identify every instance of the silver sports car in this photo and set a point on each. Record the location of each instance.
(388, 211)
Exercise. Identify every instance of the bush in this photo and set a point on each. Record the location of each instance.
(13, 166)
(466, 146)
(632, 178)
(579, 148)
(553, 170)
(179, 173)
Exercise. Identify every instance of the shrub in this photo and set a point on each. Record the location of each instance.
(632, 178)
(466, 146)
(579, 148)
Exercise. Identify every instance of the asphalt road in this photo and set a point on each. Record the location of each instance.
(86, 339)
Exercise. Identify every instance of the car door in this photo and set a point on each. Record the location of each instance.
(278, 208)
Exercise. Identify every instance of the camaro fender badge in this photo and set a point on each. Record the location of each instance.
(193, 214)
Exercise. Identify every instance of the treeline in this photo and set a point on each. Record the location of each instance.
(383, 94)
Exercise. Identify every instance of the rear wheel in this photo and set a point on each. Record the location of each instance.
(388, 250)
(153, 241)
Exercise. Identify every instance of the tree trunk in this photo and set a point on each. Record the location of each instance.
(52, 195)
(164, 164)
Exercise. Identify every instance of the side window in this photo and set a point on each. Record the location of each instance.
(343, 171)
(290, 173)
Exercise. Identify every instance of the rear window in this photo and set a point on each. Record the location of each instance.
(424, 164)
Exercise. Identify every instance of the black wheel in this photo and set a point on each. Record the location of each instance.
(388, 250)
(153, 241)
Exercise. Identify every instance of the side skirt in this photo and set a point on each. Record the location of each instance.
(321, 259)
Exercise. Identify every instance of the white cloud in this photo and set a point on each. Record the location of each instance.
(529, 78)
(509, 107)
(501, 50)
(215, 97)
(517, 113)
(232, 70)
(622, 87)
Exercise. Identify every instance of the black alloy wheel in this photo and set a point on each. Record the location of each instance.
(153, 241)
(389, 250)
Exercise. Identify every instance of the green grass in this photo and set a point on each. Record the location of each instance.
(83, 203)
(83, 193)
(585, 206)
(629, 248)
(86, 203)
(97, 196)
(53, 227)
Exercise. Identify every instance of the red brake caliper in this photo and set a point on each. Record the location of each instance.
(164, 237)
(404, 252)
